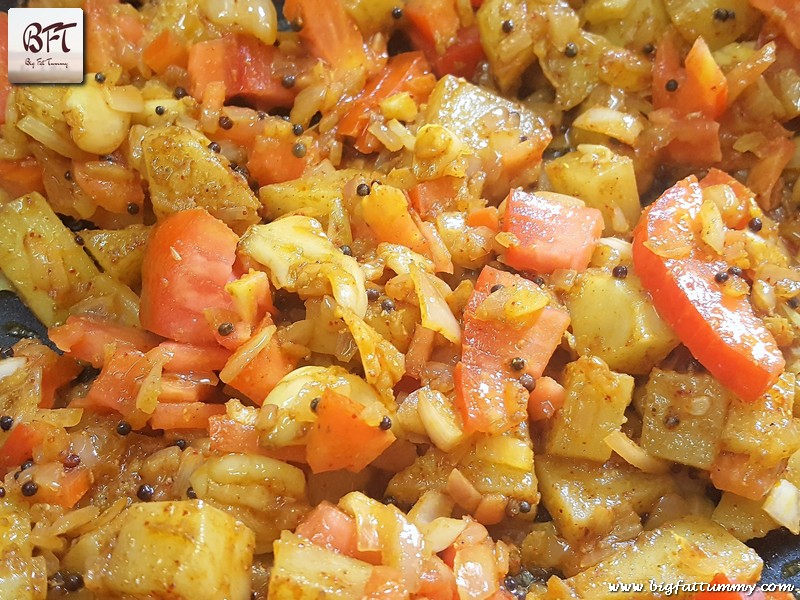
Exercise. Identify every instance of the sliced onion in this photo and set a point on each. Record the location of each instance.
(48, 136)
(246, 352)
(431, 505)
(436, 314)
(442, 532)
(9, 366)
(125, 98)
(462, 491)
(783, 505)
(635, 454)
(59, 417)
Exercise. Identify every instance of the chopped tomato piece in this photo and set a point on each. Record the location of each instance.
(462, 57)
(785, 13)
(331, 528)
(552, 234)
(102, 182)
(429, 198)
(187, 263)
(385, 583)
(22, 176)
(434, 23)
(487, 400)
(387, 213)
(488, 393)
(244, 65)
(700, 87)
(18, 446)
(57, 370)
(437, 581)
(762, 178)
(188, 358)
(740, 474)
(194, 415)
(263, 372)
(341, 438)
(545, 399)
(68, 487)
(86, 338)
(228, 435)
(484, 217)
(113, 33)
(407, 72)
(720, 330)
(273, 161)
(166, 49)
(694, 140)
(329, 32)
(117, 386)
(185, 389)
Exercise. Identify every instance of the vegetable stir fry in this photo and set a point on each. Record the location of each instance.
(406, 299)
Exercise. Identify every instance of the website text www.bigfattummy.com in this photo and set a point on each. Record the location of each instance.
(670, 589)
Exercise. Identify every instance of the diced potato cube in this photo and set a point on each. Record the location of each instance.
(181, 550)
(265, 494)
(581, 496)
(691, 549)
(595, 404)
(764, 429)
(629, 24)
(744, 518)
(683, 417)
(695, 18)
(509, 54)
(489, 124)
(494, 468)
(183, 173)
(626, 332)
(119, 251)
(50, 271)
(604, 180)
(313, 195)
(22, 577)
(305, 571)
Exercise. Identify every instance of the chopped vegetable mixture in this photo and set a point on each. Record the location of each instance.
(403, 299)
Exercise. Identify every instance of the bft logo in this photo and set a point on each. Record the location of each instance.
(45, 45)
(32, 37)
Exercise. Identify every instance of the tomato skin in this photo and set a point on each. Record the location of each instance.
(18, 446)
(192, 415)
(188, 261)
(86, 338)
(329, 32)
(551, 234)
(228, 435)
(488, 395)
(721, 331)
(331, 528)
(406, 72)
(243, 64)
(341, 438)
(22, 176)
